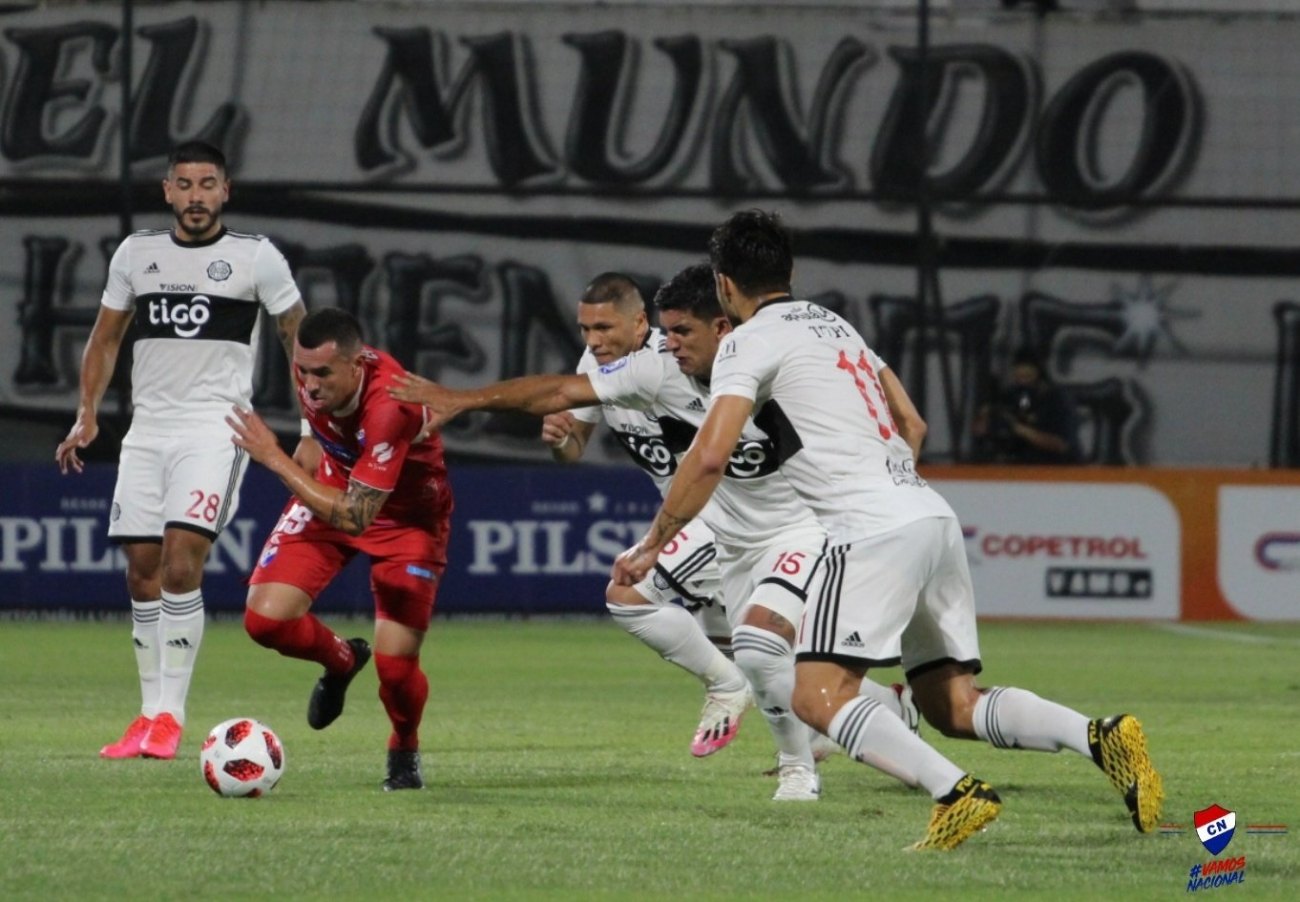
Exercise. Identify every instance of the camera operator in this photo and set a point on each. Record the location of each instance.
(1029, 421)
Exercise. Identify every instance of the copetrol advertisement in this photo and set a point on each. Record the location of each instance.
(1044, 549)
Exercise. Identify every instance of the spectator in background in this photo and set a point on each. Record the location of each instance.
(1029, 421)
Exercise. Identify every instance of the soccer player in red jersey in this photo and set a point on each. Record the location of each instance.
(379, 489)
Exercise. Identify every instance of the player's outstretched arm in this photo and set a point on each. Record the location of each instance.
(97, 362)
(538, 395)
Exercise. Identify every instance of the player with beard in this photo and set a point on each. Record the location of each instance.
(896, 570)
(380, 489)
(194, 294)
(768, 541)
(694, 634)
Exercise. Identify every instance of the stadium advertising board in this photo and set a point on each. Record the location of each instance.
(1042, 542)
(1066, 550)
(524, 540)
(471, 167)
(1259, 550)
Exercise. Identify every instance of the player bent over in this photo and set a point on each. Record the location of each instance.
(766, 539)
(694, 635)
(380, 490)
(194, 294)
(896, 571)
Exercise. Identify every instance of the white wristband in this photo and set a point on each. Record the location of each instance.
(304, 428)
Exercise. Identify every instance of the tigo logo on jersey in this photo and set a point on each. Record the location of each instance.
(1214, 826)
(614, 366)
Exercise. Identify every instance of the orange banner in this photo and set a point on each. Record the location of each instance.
(1237, 534)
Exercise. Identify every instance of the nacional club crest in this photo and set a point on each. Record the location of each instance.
(219, 270)
(1214, 826)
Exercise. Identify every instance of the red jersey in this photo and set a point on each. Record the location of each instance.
(375, 445)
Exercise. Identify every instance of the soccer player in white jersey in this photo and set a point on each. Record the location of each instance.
(896, 570)
(612, 319)
(768, 540)
(195, 293)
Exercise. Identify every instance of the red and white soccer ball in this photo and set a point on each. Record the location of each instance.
(242, 758)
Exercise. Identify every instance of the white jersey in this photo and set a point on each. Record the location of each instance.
(197, 321)
(816, 382)
(637, 429)
(754, 504)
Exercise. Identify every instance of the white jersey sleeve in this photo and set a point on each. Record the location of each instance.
(739, 367)
(631, 382)
(119, 294)
(276, 289)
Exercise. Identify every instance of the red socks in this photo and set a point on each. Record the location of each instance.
(303, 637)
(403, 688)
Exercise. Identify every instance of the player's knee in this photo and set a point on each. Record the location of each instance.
(809, 704)
(259, 628)
(395, 670)
(142, 587)
(182, 575)
(949, 712)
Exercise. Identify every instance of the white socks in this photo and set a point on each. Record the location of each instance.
(883, 694)
(768, 661)
(147, 640)
(1011, 718)
(181, 630)
(673, 633)
(871, 735)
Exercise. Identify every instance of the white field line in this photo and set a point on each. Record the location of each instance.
(1202, 632)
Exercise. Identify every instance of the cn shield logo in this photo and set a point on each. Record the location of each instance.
(1214, 826)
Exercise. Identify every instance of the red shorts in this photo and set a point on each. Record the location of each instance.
(406, 562)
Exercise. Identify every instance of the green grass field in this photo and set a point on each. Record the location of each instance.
(556, 757)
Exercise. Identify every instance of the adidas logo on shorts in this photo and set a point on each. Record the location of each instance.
(853, 641)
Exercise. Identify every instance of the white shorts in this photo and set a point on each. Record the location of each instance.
(905, 592)
(776, 575)
(687, 569)
(187, 481)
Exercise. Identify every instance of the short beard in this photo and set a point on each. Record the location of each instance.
(194, 232)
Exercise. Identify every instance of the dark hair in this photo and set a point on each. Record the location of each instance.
(613, 288)
(330, 324)
(693, 291)
(196, 152)
(754, 250)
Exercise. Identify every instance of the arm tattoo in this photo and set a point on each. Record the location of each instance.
(357, 507)
(666, 526)
(286, 325)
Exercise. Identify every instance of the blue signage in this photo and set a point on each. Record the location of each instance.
(525, 539)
